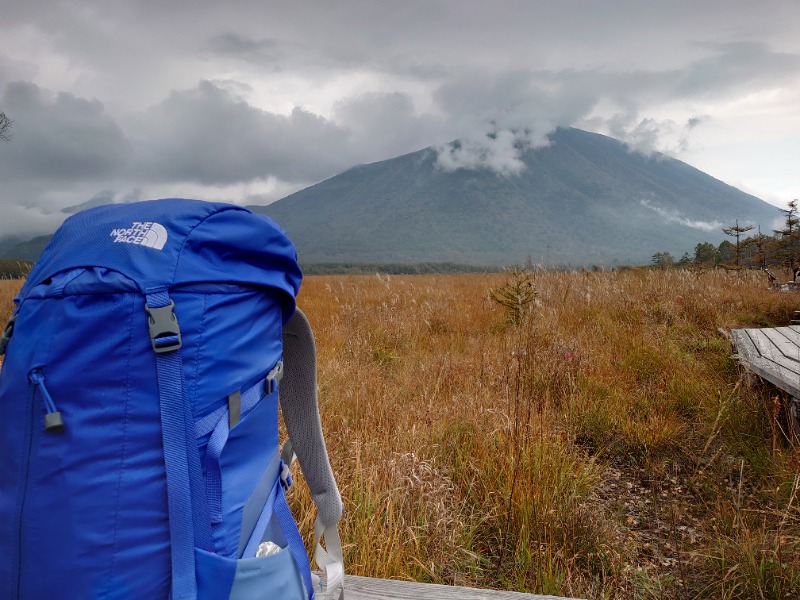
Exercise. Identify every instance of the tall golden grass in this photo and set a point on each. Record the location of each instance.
(605, 445)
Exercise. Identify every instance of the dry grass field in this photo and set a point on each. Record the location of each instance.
(599, 443)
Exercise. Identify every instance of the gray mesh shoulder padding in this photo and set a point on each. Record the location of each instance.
(298, 397)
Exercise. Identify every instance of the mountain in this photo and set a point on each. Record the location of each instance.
(25, 250)
(583, 199)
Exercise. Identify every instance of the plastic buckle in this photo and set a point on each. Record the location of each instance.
(286, 476)
(165, 334)
(274, 377)
(8, 331)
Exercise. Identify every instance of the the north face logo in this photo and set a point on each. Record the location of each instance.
(152, 235)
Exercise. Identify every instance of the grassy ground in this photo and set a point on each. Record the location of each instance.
(599, 443)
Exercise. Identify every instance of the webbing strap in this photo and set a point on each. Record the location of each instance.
(263, 520)
(329, 559)
(277, 506)
(218, 423)
(213, 471)
(289, 528)
(177, 463)
(248, 399)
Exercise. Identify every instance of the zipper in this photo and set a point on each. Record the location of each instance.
(53, 421)
(21, 495)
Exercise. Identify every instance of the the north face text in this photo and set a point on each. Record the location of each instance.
(152, 235)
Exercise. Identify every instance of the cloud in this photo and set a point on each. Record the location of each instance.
(648, 136)
(59, 137)
(263, 52)
(499, 152)
(210, 135)
(24, 221)
(383, 125)
(235, 44)
(251, 100)
(675, 217)
(531, 104)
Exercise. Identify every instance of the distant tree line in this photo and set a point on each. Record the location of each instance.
(347, 268)
(757, 250)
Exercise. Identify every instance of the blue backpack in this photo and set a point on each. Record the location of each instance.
(139, 452)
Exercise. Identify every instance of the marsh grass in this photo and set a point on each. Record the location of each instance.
(603, 444)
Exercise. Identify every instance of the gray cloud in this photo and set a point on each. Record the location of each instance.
(235, 44)
(253, 100)
(383, 125)
(23, 221)
(209, 135)
(232, 45)
(530, 104)
(59, 137)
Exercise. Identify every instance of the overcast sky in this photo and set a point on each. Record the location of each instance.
(247, 101)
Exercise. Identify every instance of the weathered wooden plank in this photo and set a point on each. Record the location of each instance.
(752, 359)
(792, 333)
(366, 588)
(780, 339)
(770, 352)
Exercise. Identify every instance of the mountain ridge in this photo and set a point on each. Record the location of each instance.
(585, 198)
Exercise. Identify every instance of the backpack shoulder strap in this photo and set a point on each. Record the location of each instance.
(298, 398)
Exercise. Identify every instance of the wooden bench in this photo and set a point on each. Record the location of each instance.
(366, 588)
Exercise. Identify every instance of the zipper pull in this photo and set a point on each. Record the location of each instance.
(52, 420)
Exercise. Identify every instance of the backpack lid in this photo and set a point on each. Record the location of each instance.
(160, 244)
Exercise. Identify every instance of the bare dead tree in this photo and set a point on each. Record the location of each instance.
(5, 127)
(736, 231)
(788, 238)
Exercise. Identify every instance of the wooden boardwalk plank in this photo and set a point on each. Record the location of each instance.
(757, 353)
(783, 343)
(366, 588)
(768, 351)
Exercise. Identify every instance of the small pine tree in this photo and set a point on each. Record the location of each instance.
(516, 296)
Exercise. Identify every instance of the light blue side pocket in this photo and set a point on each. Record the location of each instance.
(268, 577)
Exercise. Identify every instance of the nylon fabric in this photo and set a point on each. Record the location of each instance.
(254, 507)
(247, 453)
(289, 528)
(85, 485)
(115, 506)
(176, 461)
(276, 573)
(198, 248)
(257, 535)
(301, 413)
(248, 400)
(216, 443)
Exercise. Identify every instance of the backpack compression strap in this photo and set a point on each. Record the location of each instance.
(298, 400)
(181, 460)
